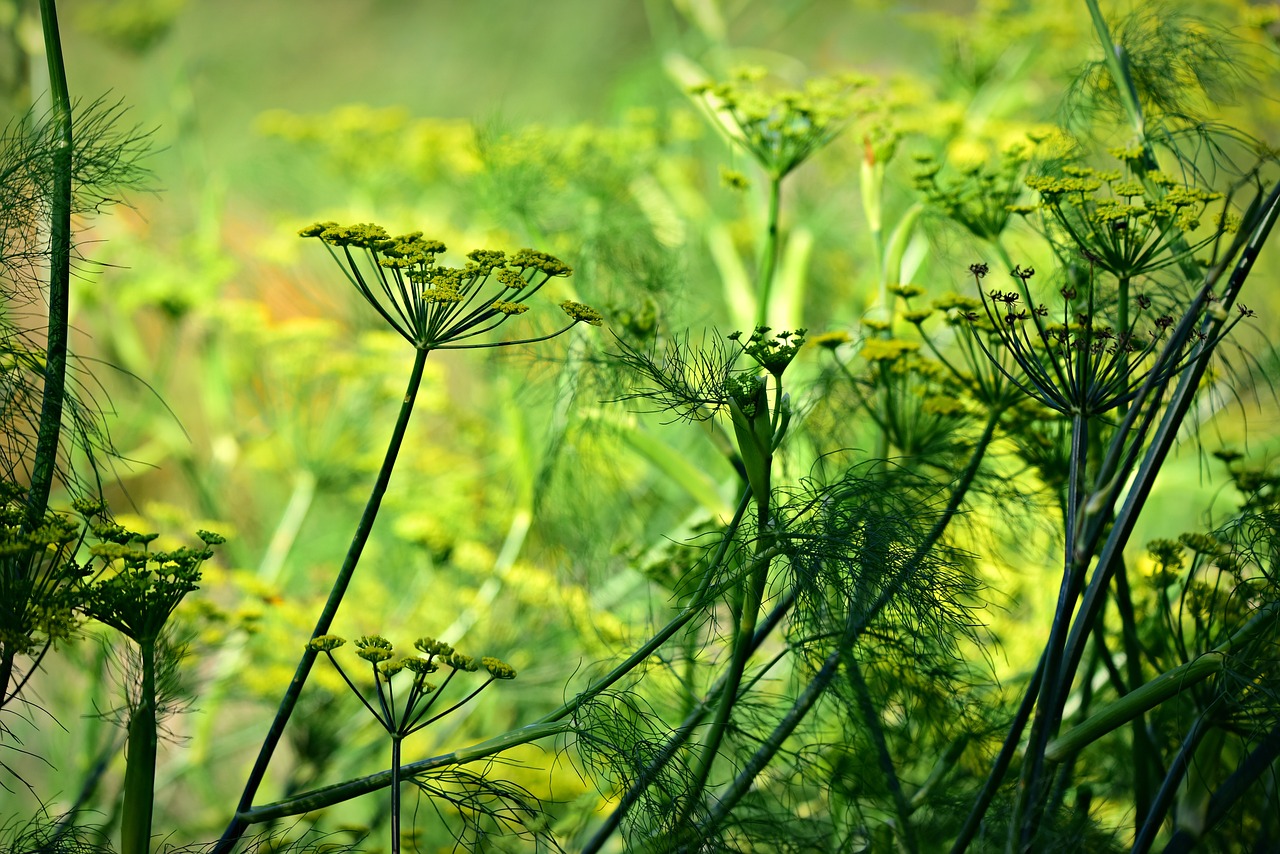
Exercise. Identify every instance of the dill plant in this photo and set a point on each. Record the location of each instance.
(432, 307)
(55, 169)
(820, 680)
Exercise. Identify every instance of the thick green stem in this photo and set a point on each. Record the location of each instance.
(290, 700)
(49, 432)
(1168, 684)
(140, 756)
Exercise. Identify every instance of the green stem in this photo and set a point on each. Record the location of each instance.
(1003, 760)
(1154, 817)
(769, 260)
(1259, 762)
(1261, 219)
(238, 824)
(1122, 306)
(773, 743)
(1055, 683)
(871, 719)
(746, 777)
(945, 764)
(678, 622)
(395, 793)
(748, 612)
(1143, 750)
(48, 435)
(693, 717)
(1168, 684)
(140, 756)
(329, 796)
(1116, 65)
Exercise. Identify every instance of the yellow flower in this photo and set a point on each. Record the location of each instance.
(887, 350)
(831, 340)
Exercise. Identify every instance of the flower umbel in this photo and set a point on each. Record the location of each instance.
(782, 128)
(410, 714)
(1084, 362)
(136, 589)
(442, 308)
(979, 196)
(1126, 226)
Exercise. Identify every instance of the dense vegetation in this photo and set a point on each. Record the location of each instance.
(862, 449)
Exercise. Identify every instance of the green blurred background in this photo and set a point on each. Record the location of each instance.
(251, 393)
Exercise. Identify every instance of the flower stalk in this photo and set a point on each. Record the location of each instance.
(49, 432)
(433, 308)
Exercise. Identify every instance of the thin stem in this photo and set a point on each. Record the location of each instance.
(871, 719)
(1153, 818)
(678, 738)
(395, 793)
(1259, 224)
(289, 701)
(853, 631)
(746, 777)
(666, 632)
(328, 796)
(419, 714)
(455, 706)
(386, 723)
(1232, 789)
(1003, 760)
(1114, 54)
(49, 432)
(1143, 751)
(1055, 683)
(744, 635)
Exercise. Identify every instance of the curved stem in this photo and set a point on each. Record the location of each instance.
(49, 432)
(289, 701)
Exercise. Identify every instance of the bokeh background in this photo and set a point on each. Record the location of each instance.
(250, 392)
